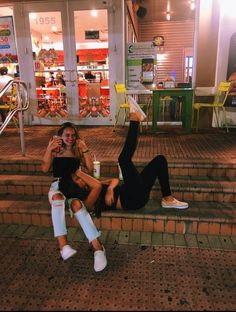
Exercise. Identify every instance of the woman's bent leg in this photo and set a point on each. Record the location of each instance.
(129, 171)
(91, 232)
(157, 168)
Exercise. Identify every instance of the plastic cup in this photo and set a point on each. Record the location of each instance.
(96, 169)
(57, 149)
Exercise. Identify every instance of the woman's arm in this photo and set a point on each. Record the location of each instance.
(94, 185)
(48, 156)
(112, 183)
(85, 155)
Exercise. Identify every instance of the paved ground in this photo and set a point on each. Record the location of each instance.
(174, 143)
(155, 276)
(161, 273)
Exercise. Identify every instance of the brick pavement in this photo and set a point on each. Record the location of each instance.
(145, 272)
(174, 143)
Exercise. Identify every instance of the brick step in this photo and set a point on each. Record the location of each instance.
(190, 168)
(183, 188)
(201, 218)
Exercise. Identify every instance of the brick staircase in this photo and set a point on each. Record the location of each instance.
(208, 187)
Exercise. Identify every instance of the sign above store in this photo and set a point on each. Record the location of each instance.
(91, 34)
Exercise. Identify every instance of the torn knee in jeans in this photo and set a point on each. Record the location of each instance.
(75, 205)
(57, 196)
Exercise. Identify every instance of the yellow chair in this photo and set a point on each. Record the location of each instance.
(218, 103)
(122, 102)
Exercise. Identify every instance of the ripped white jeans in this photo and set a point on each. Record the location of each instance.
(59, 219)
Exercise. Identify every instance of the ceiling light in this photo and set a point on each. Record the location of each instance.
(94, 13)
(168, 16)
(192, 5)
(32, 15)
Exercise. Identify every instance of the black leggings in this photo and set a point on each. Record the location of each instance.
(137, 186)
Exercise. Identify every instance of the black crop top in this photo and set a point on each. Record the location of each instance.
(63, 167)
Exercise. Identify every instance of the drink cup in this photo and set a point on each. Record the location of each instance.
(57, 149)
(96, 169)
(120, 173)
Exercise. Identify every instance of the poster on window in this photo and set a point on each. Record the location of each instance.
(7, 41)
(140, 63)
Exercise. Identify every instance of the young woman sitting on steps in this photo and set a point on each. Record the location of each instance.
(65, 153)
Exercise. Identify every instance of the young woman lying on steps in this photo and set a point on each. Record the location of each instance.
(135, 190)
(65, 153)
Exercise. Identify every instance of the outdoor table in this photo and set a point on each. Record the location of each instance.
(186, 93)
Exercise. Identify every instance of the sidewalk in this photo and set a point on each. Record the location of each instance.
(208, 145)
(146, 270)
(166, 272)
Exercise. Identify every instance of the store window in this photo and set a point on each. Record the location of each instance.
(8, 50)
(47, 47)
(91, 33)
(8, 59)
(188, 71)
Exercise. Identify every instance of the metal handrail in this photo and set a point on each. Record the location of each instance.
(22, 104)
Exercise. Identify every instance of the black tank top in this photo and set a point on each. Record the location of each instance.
(63, 167)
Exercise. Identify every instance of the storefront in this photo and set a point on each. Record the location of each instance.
(85, 43)
(65, 51)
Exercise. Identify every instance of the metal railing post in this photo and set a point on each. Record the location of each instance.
(22, 105)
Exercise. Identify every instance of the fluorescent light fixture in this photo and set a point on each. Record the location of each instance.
(94, 13)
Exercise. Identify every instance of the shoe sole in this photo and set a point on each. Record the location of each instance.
(178, 207)
(137, 108)
(100, 269)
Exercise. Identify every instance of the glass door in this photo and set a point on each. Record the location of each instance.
(89, 39)
(48, 64)
(70, 74)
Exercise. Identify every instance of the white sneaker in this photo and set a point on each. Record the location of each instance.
(135, 108)
(174, 204)
(67, 252)
(100, 260)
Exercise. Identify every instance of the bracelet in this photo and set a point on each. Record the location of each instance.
(85, 151)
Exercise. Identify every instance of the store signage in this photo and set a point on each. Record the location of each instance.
(48, 57)
(7, 41)
(141, 48)
(140, 63)
(91, 34)
(158, 41)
